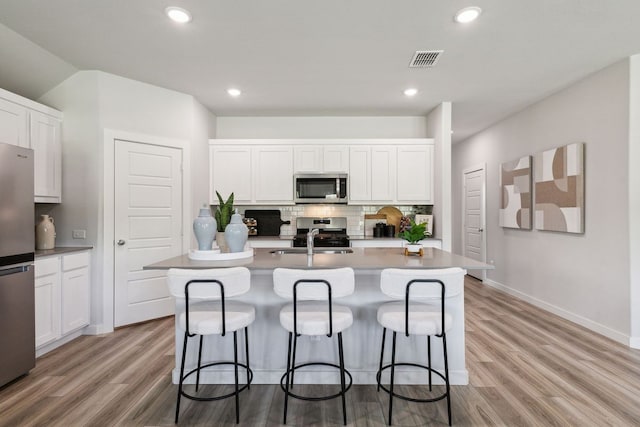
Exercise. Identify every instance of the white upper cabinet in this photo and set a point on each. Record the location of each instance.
(414, 174)
(273, 174)
(383, 173)
(359, 173)
(46, 144)
(230, 172)
(31, 125)
(321, 158)
(256, 174)
(13, 124)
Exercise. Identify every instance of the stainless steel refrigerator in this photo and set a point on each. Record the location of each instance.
(17, 243)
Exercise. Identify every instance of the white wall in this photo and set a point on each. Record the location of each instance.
(582, 277)
(321, 127)
(93, 101)
(634, 198)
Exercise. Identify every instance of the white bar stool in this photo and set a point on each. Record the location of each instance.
(208, 312)
(422, 312)
(312, 312)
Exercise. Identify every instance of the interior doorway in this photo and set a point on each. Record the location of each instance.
(473, 217)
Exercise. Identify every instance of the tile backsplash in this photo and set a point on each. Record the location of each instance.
(354, 214)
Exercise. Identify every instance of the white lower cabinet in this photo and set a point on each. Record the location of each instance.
(270, 243)
(62, 286)
(393, 243)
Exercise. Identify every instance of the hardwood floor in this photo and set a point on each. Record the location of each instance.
(527, 368)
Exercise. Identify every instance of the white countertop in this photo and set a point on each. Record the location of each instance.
(360, 259)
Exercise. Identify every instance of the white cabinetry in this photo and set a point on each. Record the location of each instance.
(269, 243)
(256, 174)
(31, 125)
(381, 173)
(62, 287)
(328, 158)
(392, 243)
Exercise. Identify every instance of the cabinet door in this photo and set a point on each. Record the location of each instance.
(45, 142)
(415, 174)
(383, 173)
(335, 158)
(230, 172)
(13, 124)
(307, 158)
(47, 300)
(359, 174)
(75, 299)
(273, 178)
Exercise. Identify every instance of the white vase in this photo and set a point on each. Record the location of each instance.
(45, 233)
(204, 227)
(415, 248)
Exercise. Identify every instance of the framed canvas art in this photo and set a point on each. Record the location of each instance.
(515, 201)
(559, 186)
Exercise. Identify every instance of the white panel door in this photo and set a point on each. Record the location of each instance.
(14, 128)
(307, 158)
(47, 300)
(473, 219)
(336, 158)
(148, 228)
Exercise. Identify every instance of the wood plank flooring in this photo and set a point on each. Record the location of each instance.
(527, 367)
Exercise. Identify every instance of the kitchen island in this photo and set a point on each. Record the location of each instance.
(268, 340)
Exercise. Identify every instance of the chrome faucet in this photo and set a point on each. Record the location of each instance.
(310, 236)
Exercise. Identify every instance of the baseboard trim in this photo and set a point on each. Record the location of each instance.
(98, 329)
(580, 320)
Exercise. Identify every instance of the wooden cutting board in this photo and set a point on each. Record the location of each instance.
(393, 216)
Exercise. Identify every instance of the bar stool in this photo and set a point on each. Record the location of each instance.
(421, 313)
(207, 312)
(308, 314)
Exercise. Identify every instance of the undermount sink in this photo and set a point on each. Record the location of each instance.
(290, 251)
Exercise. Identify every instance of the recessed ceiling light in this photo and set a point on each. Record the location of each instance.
(234, 92)
(178, 14)
(410, 92)
(467, 14)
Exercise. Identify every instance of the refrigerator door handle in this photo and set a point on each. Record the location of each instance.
(14, 270)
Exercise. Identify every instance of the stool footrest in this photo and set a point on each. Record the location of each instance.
(225, 396)
(410, 399)
(315, 398)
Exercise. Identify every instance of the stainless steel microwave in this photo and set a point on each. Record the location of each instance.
(320, 188)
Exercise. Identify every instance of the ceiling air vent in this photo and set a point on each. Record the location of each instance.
(425, 58)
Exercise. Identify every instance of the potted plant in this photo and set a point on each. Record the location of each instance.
(413, 235)
(224, 212)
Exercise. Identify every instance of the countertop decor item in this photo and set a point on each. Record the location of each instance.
(427, 220)
(45, 233)
(413, 235)
(393, 215)
(236, 233)
(370, 221)
(204, 227)
(224, 211)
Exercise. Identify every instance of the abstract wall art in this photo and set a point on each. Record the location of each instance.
(515, 183)
(559, 186)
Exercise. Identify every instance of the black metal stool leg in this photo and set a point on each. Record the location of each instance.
(393, 368)
(235, 367)
(199, 363)
(429, 358)
(384, 334)
(246, 349)
(342, 379)
(184, 353)
(286, 392)
(446, 374)
(293, 361)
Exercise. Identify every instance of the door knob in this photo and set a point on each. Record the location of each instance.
(120, 242)
(479, 229)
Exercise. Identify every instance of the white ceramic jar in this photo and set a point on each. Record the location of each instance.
(45, 233)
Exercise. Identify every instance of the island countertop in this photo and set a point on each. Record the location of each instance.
(359, 259)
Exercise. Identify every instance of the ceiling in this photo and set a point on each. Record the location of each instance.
(329, 57)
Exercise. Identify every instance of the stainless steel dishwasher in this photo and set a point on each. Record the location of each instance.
(17, 244)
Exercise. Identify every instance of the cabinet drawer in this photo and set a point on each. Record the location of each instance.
(47, 266)
(71, 262)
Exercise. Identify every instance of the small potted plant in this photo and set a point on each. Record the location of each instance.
(223, 216)
(413, 235)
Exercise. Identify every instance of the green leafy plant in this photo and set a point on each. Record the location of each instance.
(223, 212)
(414, 233)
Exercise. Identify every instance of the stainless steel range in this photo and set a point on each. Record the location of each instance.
(332, 232)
